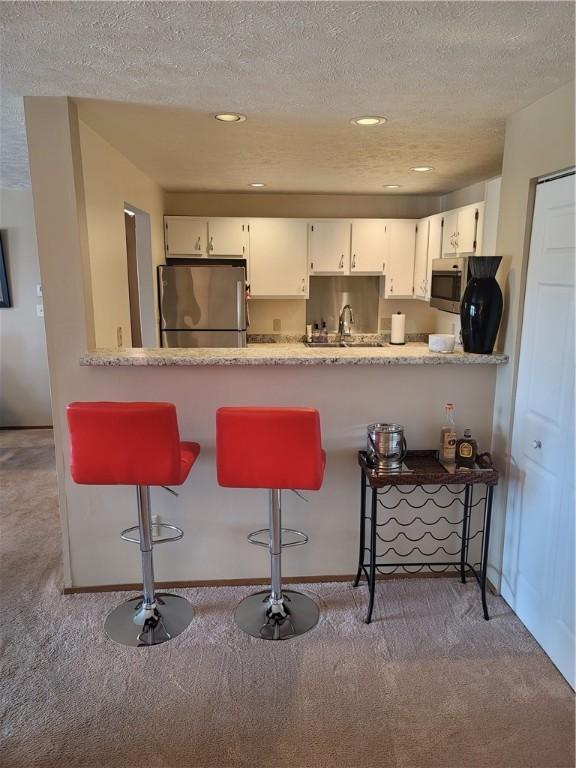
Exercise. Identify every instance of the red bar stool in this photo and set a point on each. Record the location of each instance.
(274, 448)
(135, 444)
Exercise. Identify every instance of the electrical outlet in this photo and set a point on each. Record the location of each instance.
(119, 335)
(276, 324)
(385, 323)
(39, 310)
(39, 290)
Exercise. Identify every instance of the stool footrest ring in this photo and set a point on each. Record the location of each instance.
(257, 537)
(159, 540)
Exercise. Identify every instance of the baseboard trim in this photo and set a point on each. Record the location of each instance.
(160, 585)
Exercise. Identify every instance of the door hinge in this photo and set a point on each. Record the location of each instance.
(476, 215)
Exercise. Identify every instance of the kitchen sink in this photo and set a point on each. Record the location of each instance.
(351, 344)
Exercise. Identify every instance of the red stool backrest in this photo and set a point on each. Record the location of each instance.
(124, 443)
(269, 448)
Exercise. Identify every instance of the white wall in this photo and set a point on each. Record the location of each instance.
(24, 387)
(110, 182)
(539, 141)
(303, 206)
(216, 520)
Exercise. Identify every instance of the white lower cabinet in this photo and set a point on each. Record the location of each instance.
(369, 242)
(329, 247)
(401, 250)
(278, 258)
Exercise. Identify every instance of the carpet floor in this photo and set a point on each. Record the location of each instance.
(428, 684)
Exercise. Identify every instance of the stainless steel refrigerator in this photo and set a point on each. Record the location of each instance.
(202, 305)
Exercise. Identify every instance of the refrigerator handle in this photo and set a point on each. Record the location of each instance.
(240, 303)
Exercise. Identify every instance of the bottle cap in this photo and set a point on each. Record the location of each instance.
(467, 433)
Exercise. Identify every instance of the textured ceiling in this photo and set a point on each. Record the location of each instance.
(446, 74)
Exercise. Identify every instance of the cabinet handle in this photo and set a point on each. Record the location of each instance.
(383, 266)
(211, 244)
(536, 444)
(354, 261)
(311, 265)
(198, 246)
(341, 265)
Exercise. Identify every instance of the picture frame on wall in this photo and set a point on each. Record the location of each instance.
(4, 288)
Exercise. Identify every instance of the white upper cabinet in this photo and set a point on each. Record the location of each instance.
(461, 229)
(467, 227)
(278, 258)
(227, 237)
(329, 247)
(449, 233)
(434, 248)
(421, 259)
(369, 244)
(400, 261)
(185, 236)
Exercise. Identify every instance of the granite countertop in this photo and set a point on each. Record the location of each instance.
(291, 353)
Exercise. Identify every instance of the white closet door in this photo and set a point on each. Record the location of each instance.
(538, 567)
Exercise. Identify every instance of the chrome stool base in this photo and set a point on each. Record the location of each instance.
(129, 624)
(254, 615)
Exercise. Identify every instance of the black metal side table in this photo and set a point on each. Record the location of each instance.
(422, 470)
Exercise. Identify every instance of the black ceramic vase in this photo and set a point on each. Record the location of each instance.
(481, 306)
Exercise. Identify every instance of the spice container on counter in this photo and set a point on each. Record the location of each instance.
(466, 450)
(448, 436)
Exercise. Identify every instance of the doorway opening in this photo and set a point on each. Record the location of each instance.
(140, 271)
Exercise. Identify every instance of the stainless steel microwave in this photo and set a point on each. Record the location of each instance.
(449, 279)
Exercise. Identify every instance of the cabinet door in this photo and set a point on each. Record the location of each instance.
(368, 247)
(449, 230)
(227, 237)
(400, 263)
(329, 247)
(434, 248)
(184, 236)
(278, 258)
(466, 229)
(421, 259)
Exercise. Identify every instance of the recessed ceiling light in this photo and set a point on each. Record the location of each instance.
(229, 117)
(257, 184)
(422, 168)
(391, 186)
(368, 120)
(130, 213)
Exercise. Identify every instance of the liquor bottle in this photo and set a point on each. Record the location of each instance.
(466, 450)
(448, 436)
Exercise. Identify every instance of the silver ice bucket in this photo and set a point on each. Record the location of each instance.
(386, 446)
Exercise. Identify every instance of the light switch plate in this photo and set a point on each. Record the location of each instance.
(276, 324)
(39, 310)
(39, 290)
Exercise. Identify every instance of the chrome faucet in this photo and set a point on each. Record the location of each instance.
(343, 325)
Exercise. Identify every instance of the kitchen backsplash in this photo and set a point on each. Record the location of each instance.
(288, 316)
